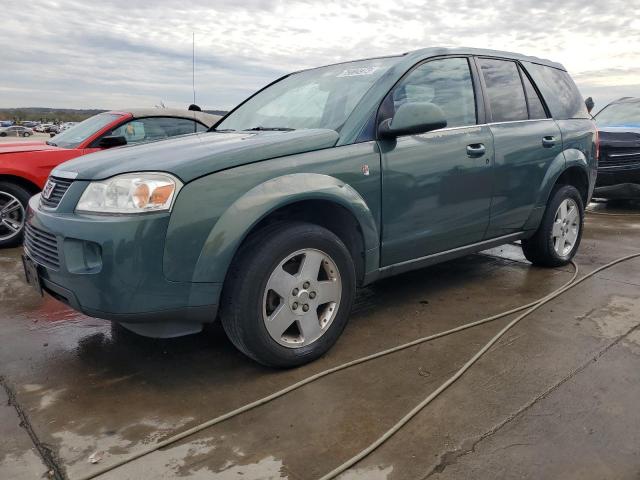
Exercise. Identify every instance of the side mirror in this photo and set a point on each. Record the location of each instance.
(51, 134)
(412, 119)
(590, 104)
(110, 142)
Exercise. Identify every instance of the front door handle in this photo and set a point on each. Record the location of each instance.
(548, 141)
(476, 150)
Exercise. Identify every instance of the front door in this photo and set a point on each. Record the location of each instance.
(437, 186)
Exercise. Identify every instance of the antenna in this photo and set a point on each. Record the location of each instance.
(193, 66)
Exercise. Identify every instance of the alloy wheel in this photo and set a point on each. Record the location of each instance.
(12, 216)
(566, 227)
(301, 298)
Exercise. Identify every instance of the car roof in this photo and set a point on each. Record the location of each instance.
(423, 53)
(208, 119)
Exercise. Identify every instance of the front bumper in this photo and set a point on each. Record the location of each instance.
(111, 267)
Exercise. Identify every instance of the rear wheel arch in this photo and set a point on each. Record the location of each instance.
(577, 177)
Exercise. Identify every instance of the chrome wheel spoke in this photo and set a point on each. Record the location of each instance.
(566, 227)
(572, 235)
(281, 282)
(310, 268)
(310, 327)
(572, 215)
(329, 291)
(557, 229)
(10, 207)
(279, 321)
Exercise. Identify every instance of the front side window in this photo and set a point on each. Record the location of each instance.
(446, 83)
(504, 90)
(155, 128)
(318, 98)
(77, 134)
(619, 115)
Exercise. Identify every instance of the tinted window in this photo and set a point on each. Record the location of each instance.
(77, 134)
(155, 128)
(561, 94)
(536, 109)
(504, 90)
(446, 83)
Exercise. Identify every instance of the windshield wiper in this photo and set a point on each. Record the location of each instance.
(267, 129)
(51, 143)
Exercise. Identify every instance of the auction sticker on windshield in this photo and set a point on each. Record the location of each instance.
(354, 72)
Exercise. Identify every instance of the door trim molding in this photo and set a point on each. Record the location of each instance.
(434, 258)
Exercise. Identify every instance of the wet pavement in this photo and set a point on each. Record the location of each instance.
(555, 398)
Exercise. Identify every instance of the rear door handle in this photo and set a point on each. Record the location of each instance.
(548, 141)
(476, 150)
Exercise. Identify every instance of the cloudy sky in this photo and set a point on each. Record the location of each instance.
(134, 53)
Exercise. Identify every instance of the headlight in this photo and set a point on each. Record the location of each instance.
(130, 193)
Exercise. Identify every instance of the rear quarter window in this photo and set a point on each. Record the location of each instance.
(560, 92)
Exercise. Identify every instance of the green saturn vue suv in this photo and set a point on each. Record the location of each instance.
(325, 180)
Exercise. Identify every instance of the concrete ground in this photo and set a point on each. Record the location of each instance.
(557, 397)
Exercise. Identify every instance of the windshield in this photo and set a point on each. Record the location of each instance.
(319, 98)
(619, 115)
(77, 134)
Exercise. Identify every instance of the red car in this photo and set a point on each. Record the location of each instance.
(25, 166)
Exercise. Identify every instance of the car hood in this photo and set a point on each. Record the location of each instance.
(192, 156)
(19, 147)
(628, 136)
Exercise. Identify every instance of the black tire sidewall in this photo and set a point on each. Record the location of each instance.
(256, 263)
(559, 195)
(23, 196)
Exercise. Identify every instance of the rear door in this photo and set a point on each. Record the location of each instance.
(436, 186)
(525, 139)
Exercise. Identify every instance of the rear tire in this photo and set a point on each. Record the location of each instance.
(288, 294)
(14, 201)
(26, 134)
(558, 237)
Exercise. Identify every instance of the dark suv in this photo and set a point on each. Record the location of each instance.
(327, 179)
(619, 165)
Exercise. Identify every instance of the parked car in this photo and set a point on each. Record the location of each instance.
(326, 179)
(67, 126)
(5, 123)
(15, 131)
(53, 128)
(25, 166)
(29, 124)
(619, 165)
(42, 128)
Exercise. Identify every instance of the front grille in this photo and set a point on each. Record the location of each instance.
(60, 188)
(619, 158)
(41, 246)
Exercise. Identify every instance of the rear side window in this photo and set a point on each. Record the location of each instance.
(560, 92)
(504, 90)
(446, 83)
(536, 109)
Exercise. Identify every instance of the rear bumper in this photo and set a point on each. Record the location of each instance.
(111, 268)
(618, 183)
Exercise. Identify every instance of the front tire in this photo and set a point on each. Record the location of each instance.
(26, 134)
(558, 237)
(288, 294)
(13, 207)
